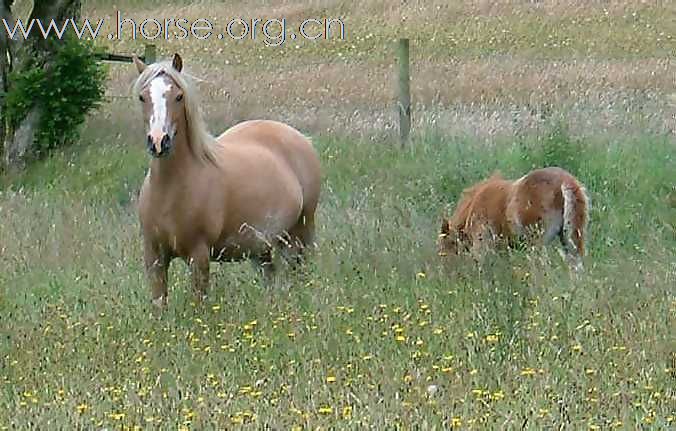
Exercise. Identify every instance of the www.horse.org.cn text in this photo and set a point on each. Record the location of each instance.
(272, 31)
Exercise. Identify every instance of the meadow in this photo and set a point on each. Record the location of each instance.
(379, 332)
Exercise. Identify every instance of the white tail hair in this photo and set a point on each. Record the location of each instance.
(574, 223)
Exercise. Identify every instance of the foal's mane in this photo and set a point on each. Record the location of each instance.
(462, 211)
(201, 142)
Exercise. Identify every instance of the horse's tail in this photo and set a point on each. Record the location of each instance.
(575, 214)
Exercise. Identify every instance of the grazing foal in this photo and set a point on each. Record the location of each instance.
(500, 211)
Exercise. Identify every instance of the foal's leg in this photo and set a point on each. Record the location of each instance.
(571, 252)
(199, 269)
(553, 227)
(156, 265)
(481, 241)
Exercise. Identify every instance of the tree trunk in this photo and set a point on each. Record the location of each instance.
(34, 52)
(5, 55)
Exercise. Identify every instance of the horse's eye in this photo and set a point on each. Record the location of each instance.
(140, 97)
(179, 97)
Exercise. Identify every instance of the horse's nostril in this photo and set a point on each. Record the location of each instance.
(165, 142)
(149, 141)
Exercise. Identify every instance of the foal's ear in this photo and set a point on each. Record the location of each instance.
(177, 62)
(140, 66)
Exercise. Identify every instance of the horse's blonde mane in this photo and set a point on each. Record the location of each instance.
(201, 142)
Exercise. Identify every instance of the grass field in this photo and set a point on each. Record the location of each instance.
(380, 333)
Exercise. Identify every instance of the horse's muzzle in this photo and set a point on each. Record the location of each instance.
(160, 150)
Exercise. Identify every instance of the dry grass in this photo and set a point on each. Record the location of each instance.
(479, 59)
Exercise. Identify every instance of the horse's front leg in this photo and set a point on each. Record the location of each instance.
(199, 267)
(156, 265)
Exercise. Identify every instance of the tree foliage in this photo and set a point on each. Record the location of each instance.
(48, 85)
(65, 93)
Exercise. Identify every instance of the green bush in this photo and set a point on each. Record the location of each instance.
(66, 91)
(556, 148)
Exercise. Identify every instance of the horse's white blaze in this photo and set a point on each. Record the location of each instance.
(159, 87)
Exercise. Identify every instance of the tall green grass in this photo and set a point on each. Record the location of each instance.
(378, 333)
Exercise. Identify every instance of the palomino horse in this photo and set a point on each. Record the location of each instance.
(497, 210)
(218, 199)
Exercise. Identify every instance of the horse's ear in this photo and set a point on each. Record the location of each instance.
(177, 62)
(140, 66)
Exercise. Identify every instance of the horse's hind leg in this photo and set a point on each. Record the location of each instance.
(300, 237)
(264, 265)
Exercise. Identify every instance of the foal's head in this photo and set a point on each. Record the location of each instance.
(451, 239)
(163, 102)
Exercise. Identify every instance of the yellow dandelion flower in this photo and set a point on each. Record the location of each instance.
(420, 275)
(497, 395)
(492, 338)
(325, 410)
(528, 372)
(473, 371)
(577, 348)
(456, 421)
(408, 378)
(82, 408)
(478, 392)
(400, 338)
(347, 412)
(590, 371)
(330, 379)
(116, 416)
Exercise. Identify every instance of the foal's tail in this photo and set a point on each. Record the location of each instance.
(575, 213)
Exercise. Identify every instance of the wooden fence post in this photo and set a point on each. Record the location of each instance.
(404, 92)
(150, 54)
